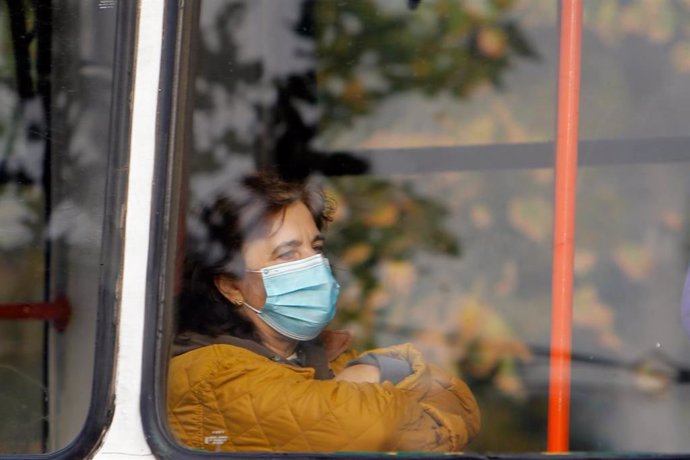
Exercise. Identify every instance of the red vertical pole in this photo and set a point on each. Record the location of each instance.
(564, 225)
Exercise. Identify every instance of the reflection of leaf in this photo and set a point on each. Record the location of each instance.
(488, 347)
(385, 224)
(509, 279)
(399, 276)
(434, 345)
(378, 299)
(481, 216)
(17, 217)
(531, 216)
(590, 312)
(356, 254)
(635, 260)
(680, 55)
(492, 41)
(672, 219)
(446, 46)
(482, 129)
(584, 261)
(384, 216)
(508, 381)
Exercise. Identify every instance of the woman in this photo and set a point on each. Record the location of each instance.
(254, 368)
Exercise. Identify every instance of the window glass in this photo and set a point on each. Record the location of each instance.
(431, 125)
(635, 67)
(631, 367)
(56, 64)
(632, 248)
(383, 101)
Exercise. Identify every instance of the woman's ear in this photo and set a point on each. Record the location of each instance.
(228, 286)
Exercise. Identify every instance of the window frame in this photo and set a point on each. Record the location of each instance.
(102, 392)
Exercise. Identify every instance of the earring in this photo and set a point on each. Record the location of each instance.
(237, 303)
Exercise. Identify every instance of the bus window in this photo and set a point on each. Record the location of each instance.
(431, 125)
(632, 229)
(56, 86)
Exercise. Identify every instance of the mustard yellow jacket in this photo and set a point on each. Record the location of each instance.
(227, 398)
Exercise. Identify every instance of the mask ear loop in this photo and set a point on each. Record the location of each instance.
(236, 303)
(240, 303)
(251, 308)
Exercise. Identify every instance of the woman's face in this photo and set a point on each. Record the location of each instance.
(292, 236)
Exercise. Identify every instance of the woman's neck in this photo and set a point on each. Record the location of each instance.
(280, 345)
(272, 339)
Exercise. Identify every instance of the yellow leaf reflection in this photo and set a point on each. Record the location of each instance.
(509, 279)
(635, 260)
(590, 312)
(680, 55)
(349, 299)
(585, 261)
(385, 216)
(378, 299)
(531, 217)
(492, 42)
(488, 348)
(672, 219)
(356, 254)
(481, 217)
(398, 276)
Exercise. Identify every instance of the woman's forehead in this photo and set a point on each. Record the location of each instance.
(294, 219)
(295, 222)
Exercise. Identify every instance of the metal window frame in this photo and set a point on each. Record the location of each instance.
(102, 395)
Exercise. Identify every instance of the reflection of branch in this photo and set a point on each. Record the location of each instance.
(44, 33)
(30, 379)
(20, 41)
(413, 4)
(654, 362)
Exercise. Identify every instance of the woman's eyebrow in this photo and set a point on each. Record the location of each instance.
(294, 244)
(286, 245)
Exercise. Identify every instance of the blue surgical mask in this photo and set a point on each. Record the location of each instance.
(300, 297)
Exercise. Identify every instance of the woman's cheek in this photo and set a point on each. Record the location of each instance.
(254, 293)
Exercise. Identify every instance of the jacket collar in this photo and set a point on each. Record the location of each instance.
(317, 353)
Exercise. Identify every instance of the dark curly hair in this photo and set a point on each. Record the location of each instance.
(215, 237)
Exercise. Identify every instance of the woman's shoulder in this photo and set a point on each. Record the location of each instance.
(201, 364)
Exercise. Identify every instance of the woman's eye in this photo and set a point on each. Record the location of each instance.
(318, 249)
(288, 255)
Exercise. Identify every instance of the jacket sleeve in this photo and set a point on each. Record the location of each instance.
(444, 397)
(267, 406)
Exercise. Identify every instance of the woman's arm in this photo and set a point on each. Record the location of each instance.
(442, 394)
(254, 404)
(264, 406)
(360, 373)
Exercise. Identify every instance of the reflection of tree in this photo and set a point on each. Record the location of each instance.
(24, 66)
(365, 53)
(355, 56)
(368, 52)
(380, 226)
